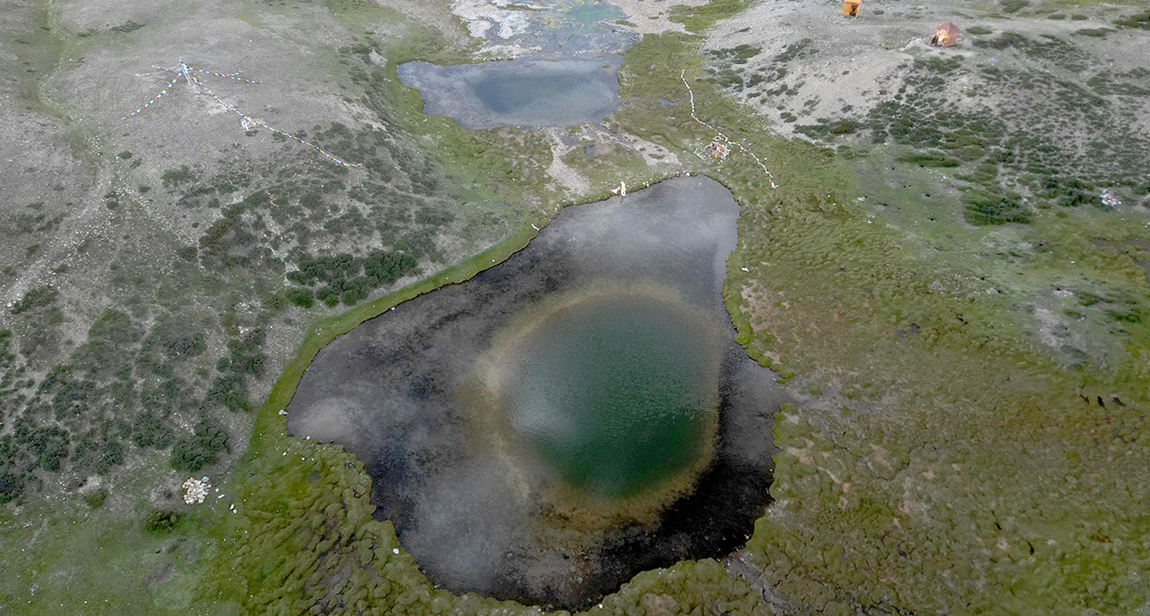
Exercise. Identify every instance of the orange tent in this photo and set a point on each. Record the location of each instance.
(945, 35)
(851, 7)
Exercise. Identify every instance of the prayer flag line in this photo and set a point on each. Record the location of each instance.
(187, 72)
(770, 176)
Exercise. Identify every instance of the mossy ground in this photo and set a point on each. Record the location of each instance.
(952, 461)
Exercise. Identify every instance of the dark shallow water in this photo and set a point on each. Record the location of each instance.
(526, 92)
(421, 394)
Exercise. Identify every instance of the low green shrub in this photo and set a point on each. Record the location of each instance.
(162, 521)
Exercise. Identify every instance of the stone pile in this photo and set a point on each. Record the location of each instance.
(195, 490)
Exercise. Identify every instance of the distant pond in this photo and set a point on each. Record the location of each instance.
(530, 93)
(568, 418)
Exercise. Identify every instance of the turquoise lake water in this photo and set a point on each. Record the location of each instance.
(613, 393)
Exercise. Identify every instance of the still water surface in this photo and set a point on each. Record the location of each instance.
(523, 92)
(614, 392)
(568, 418)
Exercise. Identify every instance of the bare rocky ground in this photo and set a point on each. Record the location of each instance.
(816, 63)
(158, 230)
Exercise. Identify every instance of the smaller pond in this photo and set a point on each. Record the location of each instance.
(531, 93)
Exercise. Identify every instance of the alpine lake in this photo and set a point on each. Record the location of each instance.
(528, 92)
(568, 418)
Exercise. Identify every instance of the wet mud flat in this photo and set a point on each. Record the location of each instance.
(526, 92)
(410, 393)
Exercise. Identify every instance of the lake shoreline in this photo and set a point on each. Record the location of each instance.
(435, 446)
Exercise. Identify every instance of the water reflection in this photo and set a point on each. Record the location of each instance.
(523, 92)
(563, 74)
(615, 392)
(425, 393)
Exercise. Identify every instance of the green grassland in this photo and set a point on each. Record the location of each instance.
(950, 462)
(963, 469)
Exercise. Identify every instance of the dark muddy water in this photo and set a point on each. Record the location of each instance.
(568, 418)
